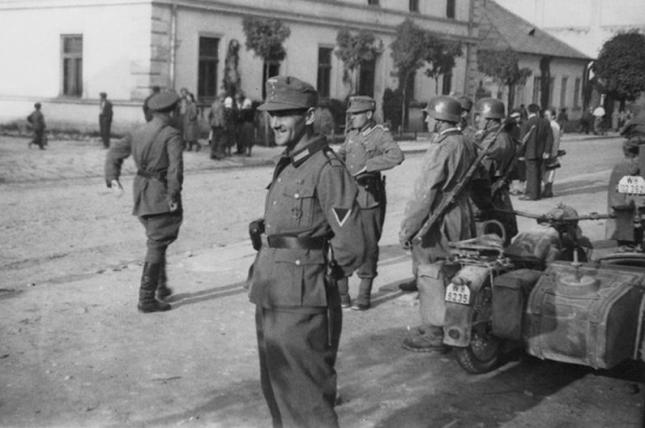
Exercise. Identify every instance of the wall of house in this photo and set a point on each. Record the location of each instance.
(31, 49)
(138, 53)
(528, 94)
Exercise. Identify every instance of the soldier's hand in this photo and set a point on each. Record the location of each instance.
(116, 187)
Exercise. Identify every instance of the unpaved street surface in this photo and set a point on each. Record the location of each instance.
(74, 351)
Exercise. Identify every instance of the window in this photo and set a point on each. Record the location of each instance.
(450, 9)
(269, 69)
(551, 90)
(366, 78)
(372, 2)
(324, 71)
(536, 89)
(563, 92)
(414, 5)
(446, 85)
(72, 59)
(207, 68)
(576, 93)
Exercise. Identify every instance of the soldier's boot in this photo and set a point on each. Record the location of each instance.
(427, 338)
(163, 290)
(409, 286)
(147, 300)
(362, 302)
(548, 190)
(343, 292)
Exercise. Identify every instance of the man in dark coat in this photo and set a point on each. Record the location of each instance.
(498, 162)
(368, 149)
(105, 119)
(537, 139)
(157, 149)
(37, 121)
(444, 165)
(312, 234)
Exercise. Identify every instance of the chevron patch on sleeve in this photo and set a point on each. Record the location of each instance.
(341, 214)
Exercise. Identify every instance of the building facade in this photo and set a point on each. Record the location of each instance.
(65, 52)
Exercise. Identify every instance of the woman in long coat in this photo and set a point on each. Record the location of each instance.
(191, 124)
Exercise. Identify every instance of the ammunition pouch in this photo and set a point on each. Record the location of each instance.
(373, 184)
(256, 229)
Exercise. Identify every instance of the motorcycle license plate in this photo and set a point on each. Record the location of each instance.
(632, 184)
(458, 294)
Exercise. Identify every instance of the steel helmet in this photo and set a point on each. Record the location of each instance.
(491, 108)
(444, 108)
(466, 103)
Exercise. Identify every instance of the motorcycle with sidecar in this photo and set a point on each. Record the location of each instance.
(548, 293)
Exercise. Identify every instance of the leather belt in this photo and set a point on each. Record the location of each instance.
(294, 242)
(158, 175)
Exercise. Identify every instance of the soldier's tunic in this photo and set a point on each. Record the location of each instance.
(444, 165)
(298, 316)
(498, 164)
(366, 152)
(157, 151)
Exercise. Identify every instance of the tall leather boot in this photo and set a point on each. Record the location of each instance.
(343, 292)
(548, 190)
(149, 279)
(363, 302)
(163, 290)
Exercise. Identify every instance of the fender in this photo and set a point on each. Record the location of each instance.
(458, 322)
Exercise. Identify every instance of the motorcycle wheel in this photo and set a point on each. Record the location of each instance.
(483, 353)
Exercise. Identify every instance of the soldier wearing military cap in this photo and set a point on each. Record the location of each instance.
(444, 165)
(368, 149)
(157, 151)
(498, 163)
(310, 234)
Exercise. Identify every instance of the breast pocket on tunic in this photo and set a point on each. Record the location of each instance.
(299, 204)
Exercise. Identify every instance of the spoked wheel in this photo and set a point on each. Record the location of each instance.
(483, 353)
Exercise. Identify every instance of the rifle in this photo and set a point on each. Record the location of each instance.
(451, 197)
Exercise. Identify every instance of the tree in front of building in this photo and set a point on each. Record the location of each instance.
(620, 67)
(232, 81)
(440, 56)
(355, 50)
(265, 37)
(503, 67)
(408, 53)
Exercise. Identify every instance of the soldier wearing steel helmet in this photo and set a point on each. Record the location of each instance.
(310, 214)
(444, 165)
(157, 150)
(368, 149)
(498, 162)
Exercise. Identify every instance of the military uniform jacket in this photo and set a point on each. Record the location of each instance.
(371, 149)
(157, 149)
(444, 165)
(501, 154)
(539, 141)
(311, 195)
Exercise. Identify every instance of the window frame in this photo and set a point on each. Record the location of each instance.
(564, 81)
(576, 93)
(413, 6)
(324, 88)
(204, 58)
(78, 73)
(451, 9)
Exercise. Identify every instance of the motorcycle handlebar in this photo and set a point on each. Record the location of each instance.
(543, 218)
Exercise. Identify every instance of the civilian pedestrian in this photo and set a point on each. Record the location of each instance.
(217, 136)
(105, 119)
(552, 162)
(537, 141)
(37, 121)
(191, 124)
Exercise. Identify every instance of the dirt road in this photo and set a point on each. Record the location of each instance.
(75, 352)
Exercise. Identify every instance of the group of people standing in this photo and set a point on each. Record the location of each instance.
(232, 124)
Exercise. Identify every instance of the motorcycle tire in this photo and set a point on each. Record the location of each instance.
(483, 353)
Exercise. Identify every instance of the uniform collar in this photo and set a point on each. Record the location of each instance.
(315, 144)
(450, 131)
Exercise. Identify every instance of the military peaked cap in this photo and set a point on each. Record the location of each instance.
(288, 93)
(163, 100)
(361, 103)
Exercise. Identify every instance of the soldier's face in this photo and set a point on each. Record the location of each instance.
(431, 123)
(289, 126)
(360, 119)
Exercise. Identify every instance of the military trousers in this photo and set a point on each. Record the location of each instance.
(297, 349)
(372, 220)
(161, 230)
